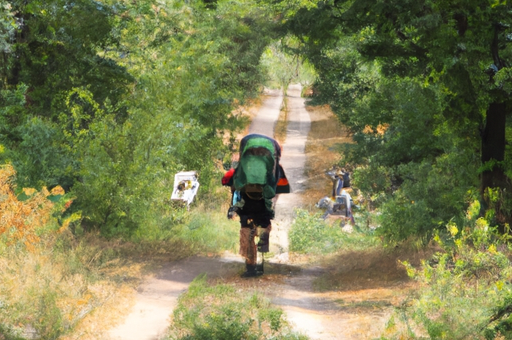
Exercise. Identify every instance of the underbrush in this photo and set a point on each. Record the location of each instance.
(57, 281)
(48, 291)
(208, 231)
(223, 312)
(201, 231)
(310, 234)
(51, 282)
(466, 290)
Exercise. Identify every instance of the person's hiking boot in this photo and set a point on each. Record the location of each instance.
(259, 268)
(251, 271)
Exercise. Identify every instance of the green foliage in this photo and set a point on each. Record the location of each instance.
(195, 67)
(56, 49)
(9, 334)
(8, 26)
(429, 195)
(111, 99)
(53, 51)
(464, 287)
(203, 231)
(418, 84)
(312, 235)
(41, 158)
(284, 66)
(221, 312)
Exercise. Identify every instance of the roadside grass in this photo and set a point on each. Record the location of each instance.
(209, 231)
(223, 312)
(61, 285)
(311, 235)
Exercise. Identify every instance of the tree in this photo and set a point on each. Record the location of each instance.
(418, 83)
(53, 50)
(109, 99)
(193, 67)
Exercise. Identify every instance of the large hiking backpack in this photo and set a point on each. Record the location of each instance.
(258, 172)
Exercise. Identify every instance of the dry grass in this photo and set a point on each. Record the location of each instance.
(55, 285)
(371, 269)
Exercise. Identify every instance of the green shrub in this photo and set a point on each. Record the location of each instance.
(430, 195)
(465, 288)
(208, 231)
(222, 312)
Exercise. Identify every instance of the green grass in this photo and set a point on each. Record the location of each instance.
(379, 304)
(310, 234)
(209, 232)
(223, 312)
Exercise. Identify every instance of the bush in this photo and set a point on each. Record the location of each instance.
(465, 288)
(222, 312)
(208, 231)
(430, 195)
(46, 276)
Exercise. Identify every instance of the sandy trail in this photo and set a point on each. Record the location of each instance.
(308, 312)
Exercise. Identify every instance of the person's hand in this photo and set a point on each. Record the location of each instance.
(231, 213)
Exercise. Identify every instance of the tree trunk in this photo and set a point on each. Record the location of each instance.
(493, 150)
(493, 145)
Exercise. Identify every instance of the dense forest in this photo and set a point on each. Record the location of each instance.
(103, 101)
(110, 99)
(425, 88)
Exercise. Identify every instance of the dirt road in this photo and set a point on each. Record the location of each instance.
(157, 297)
(319, 315)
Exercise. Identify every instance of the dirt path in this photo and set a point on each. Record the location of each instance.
(319, 315)
(157, 296)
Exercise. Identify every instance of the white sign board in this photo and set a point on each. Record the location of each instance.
(185, 186)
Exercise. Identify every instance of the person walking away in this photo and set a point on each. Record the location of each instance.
(254, 182)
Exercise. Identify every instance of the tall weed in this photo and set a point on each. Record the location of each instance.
(48, 280)
(208, 232)
(202, 229)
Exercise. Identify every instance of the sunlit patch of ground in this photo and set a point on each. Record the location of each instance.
(281, 124)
